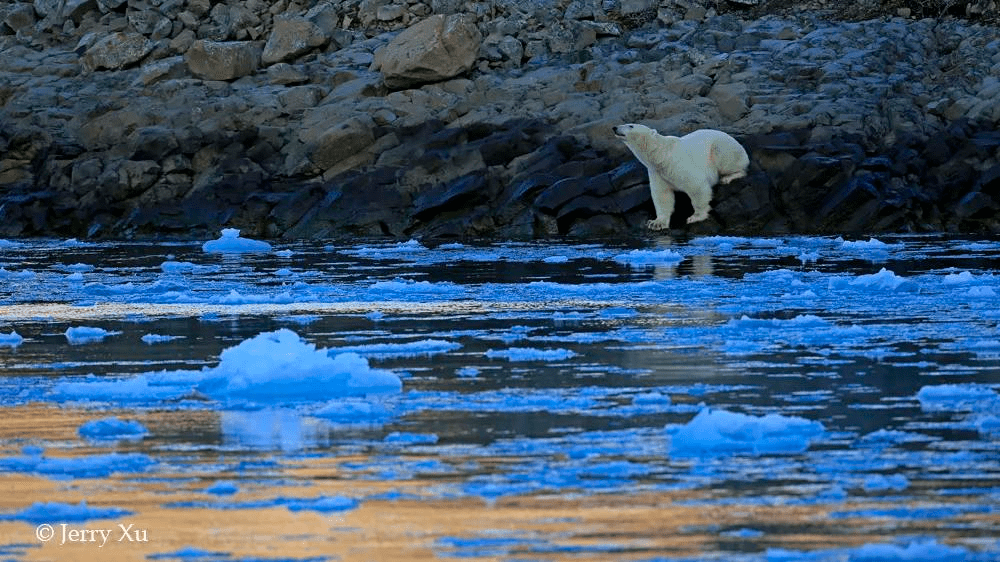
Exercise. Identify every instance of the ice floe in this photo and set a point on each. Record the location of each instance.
(230, 242)
(87, 334)
(530, 354)
(272, 367)
(715, 432)
(112, 428)
(58, 512)
(13, 339)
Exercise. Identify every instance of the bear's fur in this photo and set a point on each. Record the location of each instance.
(693, 164)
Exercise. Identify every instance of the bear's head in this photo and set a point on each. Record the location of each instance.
(643, 140)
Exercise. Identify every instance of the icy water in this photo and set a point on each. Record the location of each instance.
(702, 399)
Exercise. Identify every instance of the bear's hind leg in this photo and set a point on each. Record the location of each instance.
(701, 200)
(663, 202)
(734, 176)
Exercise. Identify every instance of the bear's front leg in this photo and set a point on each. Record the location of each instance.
(663, 201)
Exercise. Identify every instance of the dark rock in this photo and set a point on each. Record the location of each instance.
(461, 193)
(975, 204)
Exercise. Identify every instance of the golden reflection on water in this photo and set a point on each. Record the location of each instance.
(582, 527)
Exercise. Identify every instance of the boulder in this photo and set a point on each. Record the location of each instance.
(19, 16)
(223, 60)
(292, 38)
(435, 49)
(345, 139)
(117, 51)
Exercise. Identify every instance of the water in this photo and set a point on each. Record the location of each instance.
(704, 399)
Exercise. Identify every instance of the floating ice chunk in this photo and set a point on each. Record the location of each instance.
(872, 244)
(272, 367)
(13, 339)
(962, 278)
(649, 258)
(75, 277)
(171, 266)
(981, 292)
(962, 397)
(651, 398)
(87, 334)
(232, 243)
(51, 512)
(158, 338)
(422, 348)
(743, 533)
(875, 482)
(406, 438)
(893, 436)
(800, 321)
(884, 280)
(8, 244)
(468, 372)
(23, 275)
(92, 466)
(924, 550)
(353, 411)
(530, 354)
(79, 267)
(322, 504)
(279, 366)
(222, 488)
(284, 253)
(556, 259)
(920, 550)
(390, 251)
(139, 389)
(112, 428)
(720, 433)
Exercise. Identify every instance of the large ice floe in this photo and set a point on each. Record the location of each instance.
(272, 367)
(704, 398)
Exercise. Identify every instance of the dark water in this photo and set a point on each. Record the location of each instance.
(712, 398)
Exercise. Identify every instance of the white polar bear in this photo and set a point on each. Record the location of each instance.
(692, 164)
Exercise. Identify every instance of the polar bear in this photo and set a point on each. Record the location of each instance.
(692, 164)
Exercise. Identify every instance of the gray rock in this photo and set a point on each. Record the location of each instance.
(116, 51)
(292, 38)
(435, 49)
(731, 99)
(342, 141)
(19, 16)
(214, 60)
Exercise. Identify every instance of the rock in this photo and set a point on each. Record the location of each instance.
(975, 204)
(435, 49)
(731, 99)
(19, 16)
(116, 51)
(342, 140)
(291, 38)
(214, 60)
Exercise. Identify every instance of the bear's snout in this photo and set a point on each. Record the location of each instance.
(619, 130)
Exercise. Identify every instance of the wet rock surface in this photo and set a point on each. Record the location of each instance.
(457, 119)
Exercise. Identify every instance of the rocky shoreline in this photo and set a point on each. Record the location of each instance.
(448, 118)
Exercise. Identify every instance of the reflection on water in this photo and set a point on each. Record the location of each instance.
(712, 398)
